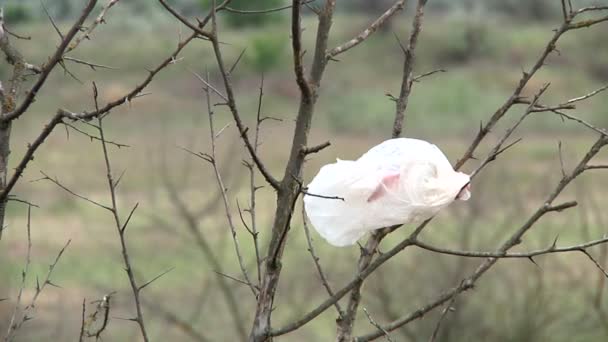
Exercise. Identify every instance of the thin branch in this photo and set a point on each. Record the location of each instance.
(426, 74)
(526, 76)
(345, 325)
(26, 315)
(464, 285)
(50, 65)
(315, 258)
(513, 240)
(408, 67)
(565, 12)
(120, 228)
(222, 190)
(103, 310)
(87, 33)
(264, 11)
(231, 102)
(16, 35)
(378, 326)
(81, 336)
(591, 8)
(596, 167)
(290, 185)
(316, 149)
(24, 273)
(68, 190)
(93, 137)
(373, 27)
(305, 192)
(48, 15)
(208, 85)
(296, 44)
(141, 287)
(586, 96)
(61, 114)
(498, 149)
(561, 158)
(233, 278)
(503, 255)
(586, 23)
(444, 312)
(197, 29)
(582, 122)
(597, 264)
(89, 64)
(252, 186)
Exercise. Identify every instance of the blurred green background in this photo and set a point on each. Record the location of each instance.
(482, 45)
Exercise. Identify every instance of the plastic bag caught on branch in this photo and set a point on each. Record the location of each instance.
(400, 181)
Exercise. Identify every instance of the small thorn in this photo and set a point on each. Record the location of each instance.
(534, 262)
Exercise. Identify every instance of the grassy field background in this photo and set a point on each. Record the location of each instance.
(560, 299)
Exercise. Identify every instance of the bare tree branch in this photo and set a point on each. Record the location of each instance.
(50, 65)
(65, 188)
(222, 189)
(468, 282)
(26, 315)
(290, 185)
(232, 104)
(315, 259)
(264, 11)
(87, 33)
(396, 7)
(444, 312)
(120, 228)
(372, 322)
(24, 273)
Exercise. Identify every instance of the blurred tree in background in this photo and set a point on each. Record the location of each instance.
(266, 52)
(17, 13)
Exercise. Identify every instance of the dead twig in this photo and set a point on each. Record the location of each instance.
(315, 258)
(26, 314)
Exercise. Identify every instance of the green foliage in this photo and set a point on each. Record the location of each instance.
(240, 20)
(17, 13)
(266, 52)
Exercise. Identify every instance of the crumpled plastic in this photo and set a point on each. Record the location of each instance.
(400, 181)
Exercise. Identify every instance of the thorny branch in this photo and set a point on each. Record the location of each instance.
(223, 191)
(408, 67)
(290, 186)
(347, 321)
(315, 259)
(11, 324)
(49, 66)
(121, 228)
(444, 312)
(373, 27)
(516, 95)
(411, 240)
(27, 312)
(515, 239)
(63, 114)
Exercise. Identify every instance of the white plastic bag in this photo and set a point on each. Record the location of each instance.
(400, 181)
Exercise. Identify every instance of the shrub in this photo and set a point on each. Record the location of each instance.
(16, 13)
(266, 52)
